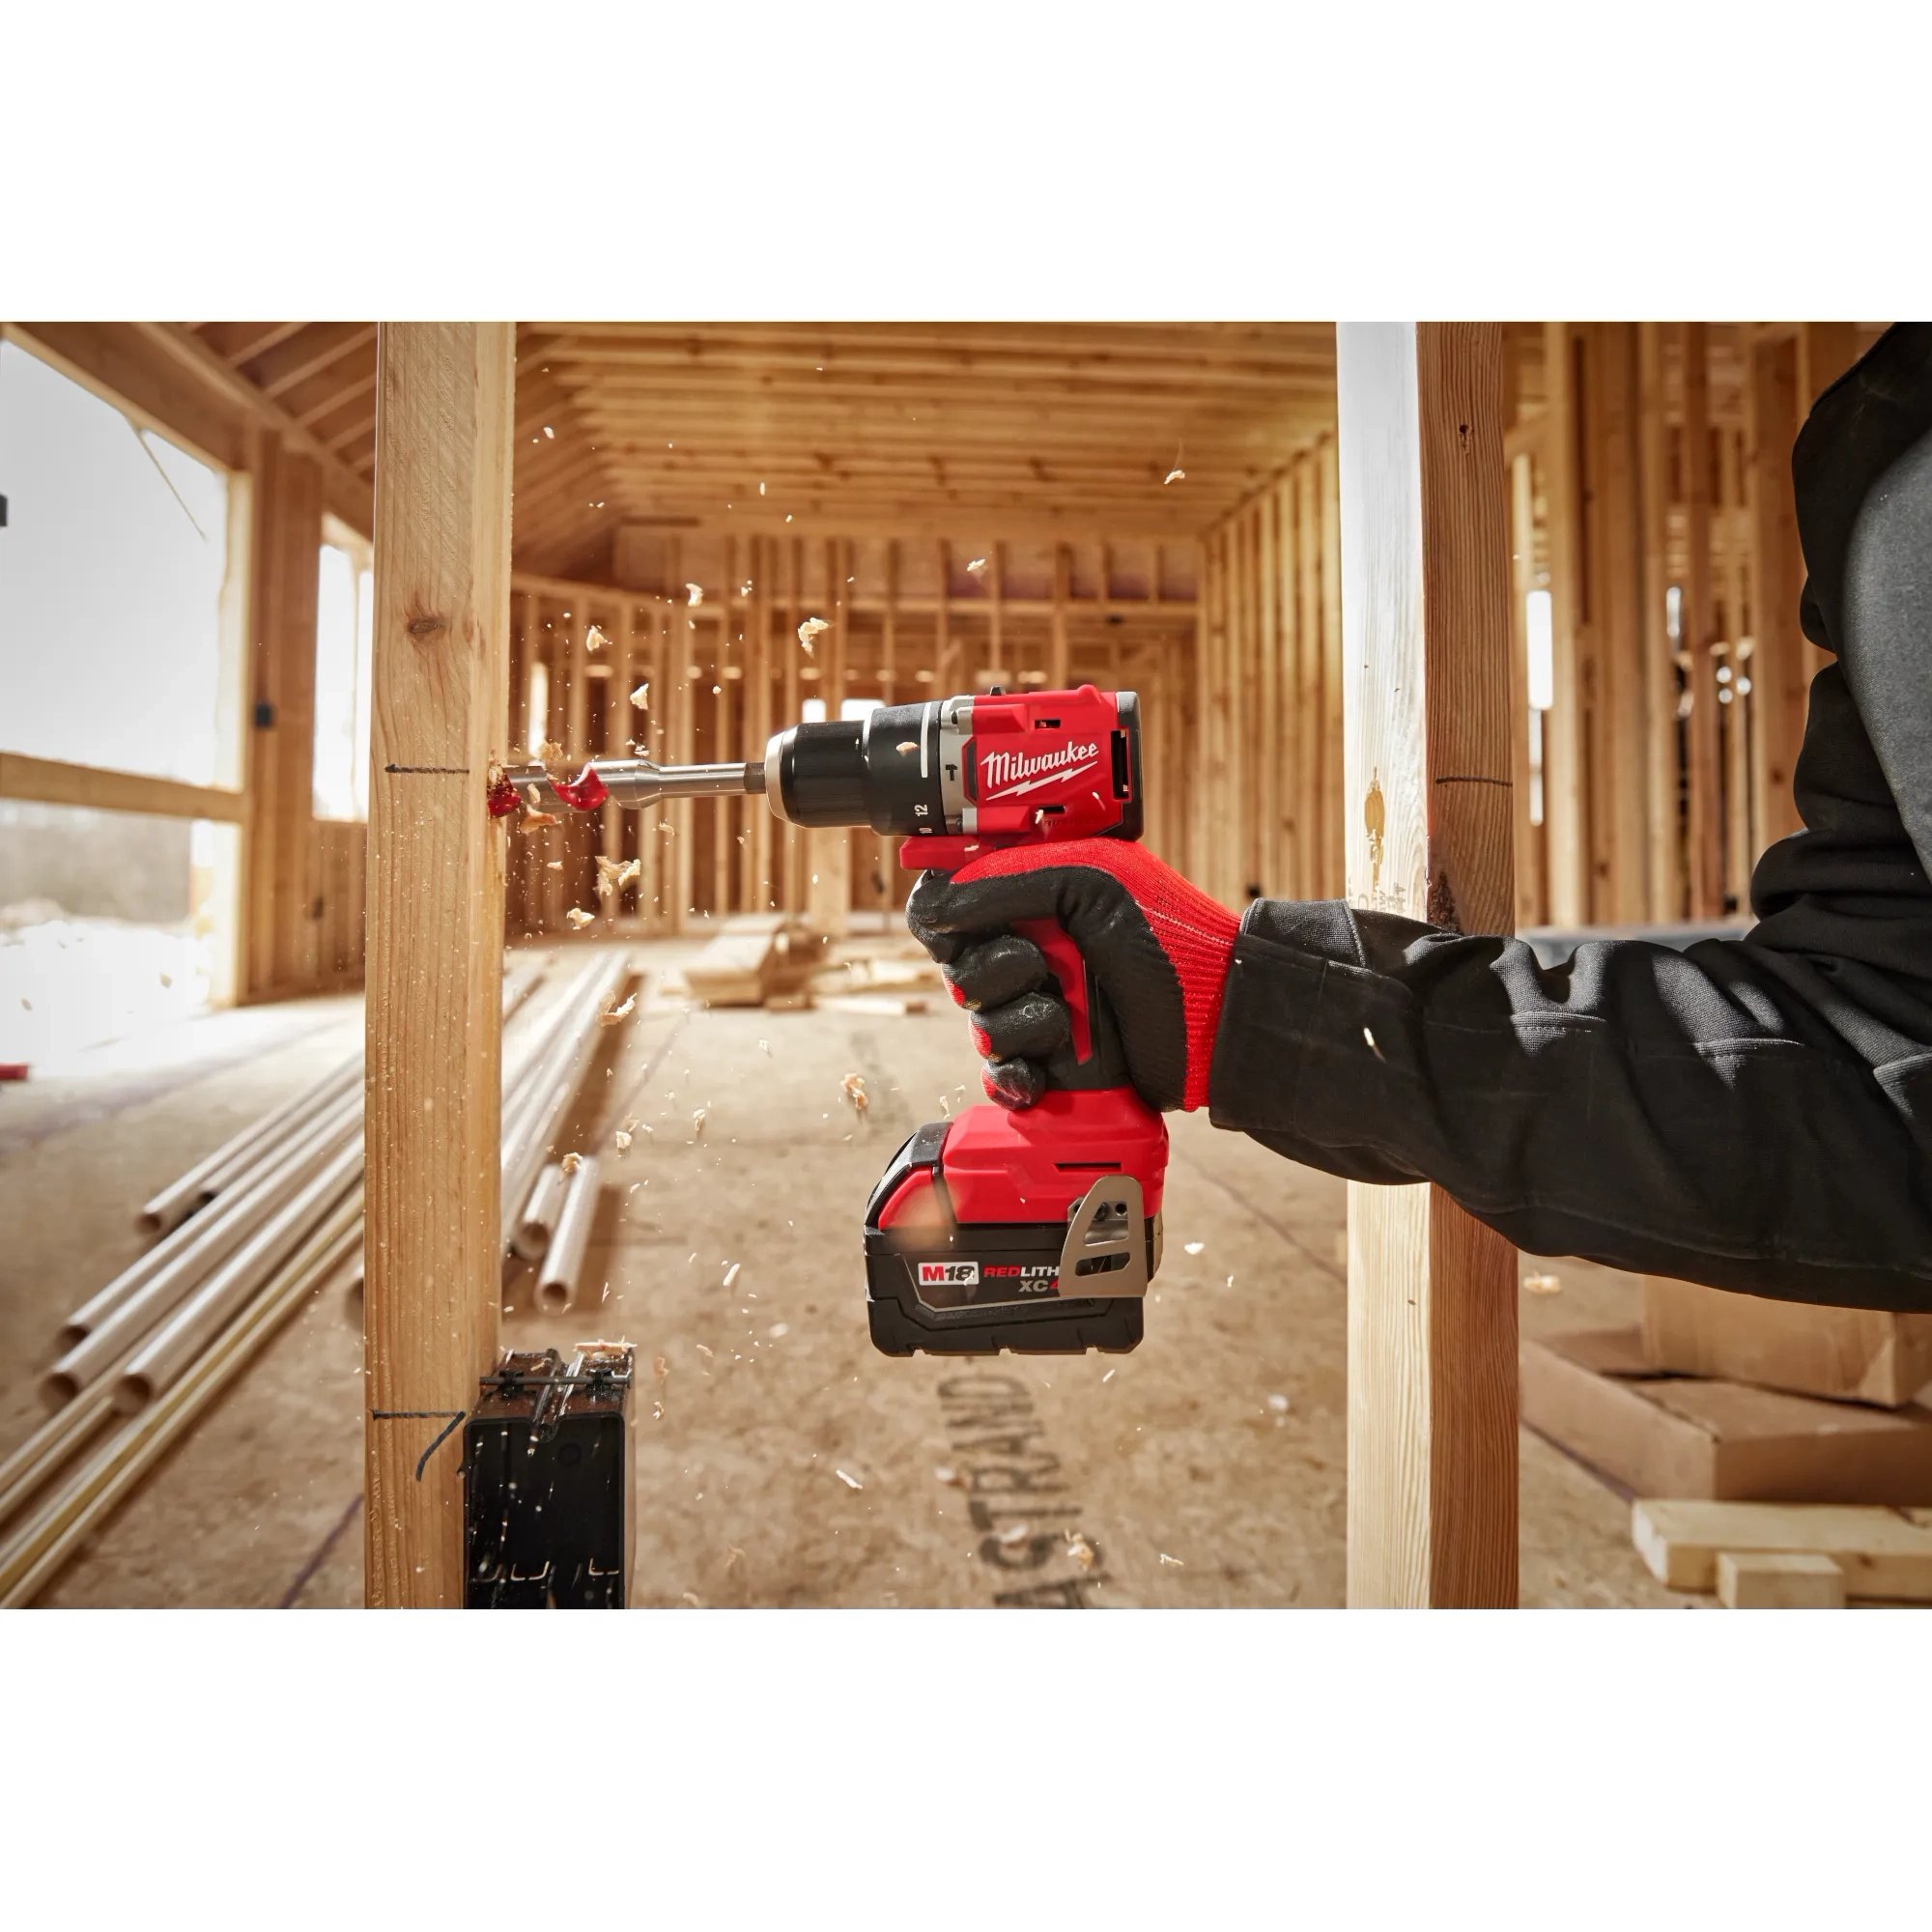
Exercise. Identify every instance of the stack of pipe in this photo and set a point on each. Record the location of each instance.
(249, 1234)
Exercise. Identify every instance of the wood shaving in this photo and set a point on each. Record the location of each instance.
(698, 1125)
(854, 1086)
(550, 752)
(1014, 1534)
(1192, 1247)
(977, 568)
(702, 1350)
(1172, 1562)
(1176, 476)
(731, 1273)
(1279, 1403)
(778, 1331)
(616, 1013)
(1081, 1550)
(632, 871)
(570, 1162)
(851, 1482)
(811, 631)
(594, 638)
(641, 696)
(579, 918)
(533, 818)
(949, 1475)
(733, 1555)
(660, 1368)
(693, 595)
(622, 1140)
(553, 866)
(1544, 1284)
(691, 1598)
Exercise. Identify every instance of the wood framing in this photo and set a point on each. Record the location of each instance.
(51, 781)
(1431, 1293)
(433, 1252)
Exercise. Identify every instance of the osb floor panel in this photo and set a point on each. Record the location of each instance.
(779, 1460)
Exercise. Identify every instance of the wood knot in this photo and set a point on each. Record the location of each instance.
(427, 627)
(1441, 907)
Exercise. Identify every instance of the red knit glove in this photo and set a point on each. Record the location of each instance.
(1157, 948)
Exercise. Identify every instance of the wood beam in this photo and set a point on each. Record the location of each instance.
(49, 782)
(433, 1235)
(1780, 667)
(344, 492)
(1566, 830)
(1697, 633)
(1431, 1293)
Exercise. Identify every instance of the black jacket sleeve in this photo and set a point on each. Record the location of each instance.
(1756, 1114)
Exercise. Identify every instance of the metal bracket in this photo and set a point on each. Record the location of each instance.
(1104, 1256)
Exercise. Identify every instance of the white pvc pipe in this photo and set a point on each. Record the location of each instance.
(212, 1224)
(239, 1167)
(554, 1088)
(179, 1197)
(174, 1345)
(215, 1239)
(556, 1285)
(540, 1213)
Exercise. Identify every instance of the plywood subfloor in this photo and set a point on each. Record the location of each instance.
(779, 1460)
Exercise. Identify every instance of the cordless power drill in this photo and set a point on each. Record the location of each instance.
(1035, 1230)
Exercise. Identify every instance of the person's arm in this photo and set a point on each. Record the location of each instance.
(1675, 1112)
(1679, 1112)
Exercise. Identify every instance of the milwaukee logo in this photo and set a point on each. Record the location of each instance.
(952, 1274)
(1005, 774)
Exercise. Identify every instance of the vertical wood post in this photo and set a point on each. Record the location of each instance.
(1425, 615)
(1566, 837)
(1662, 828)
(1697, 633)
(432, 1241)
(1779, 669)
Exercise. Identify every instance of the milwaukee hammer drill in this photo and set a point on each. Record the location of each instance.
(1035, 1230)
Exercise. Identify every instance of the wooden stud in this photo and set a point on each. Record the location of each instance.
(758, 713)
(1705, 855)
(1336, 816)
(1057, 672)
(1733, 704)
(1431, 1293)
(1565, 821)
(1318, 762)
(1276, 668)
(1522, 538)
(1779, 663)
(432, 1244)
(1662, 773)
(1617, 807)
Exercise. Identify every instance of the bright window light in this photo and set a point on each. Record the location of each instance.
(813, 712)
(113, 560)
(344, 618)
(538, 733)
(852, 709)
(1541, 651)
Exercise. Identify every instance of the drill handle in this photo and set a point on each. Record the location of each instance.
(1094, 1059)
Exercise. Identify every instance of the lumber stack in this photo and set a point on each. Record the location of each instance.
(1786, 1556)
(1663, 1434)
(757, 957)
(1851, 1355)
(1777, 1451)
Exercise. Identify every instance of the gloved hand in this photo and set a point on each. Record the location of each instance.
(1157, 948)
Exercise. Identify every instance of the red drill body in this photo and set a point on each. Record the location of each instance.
(1035, 1230)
